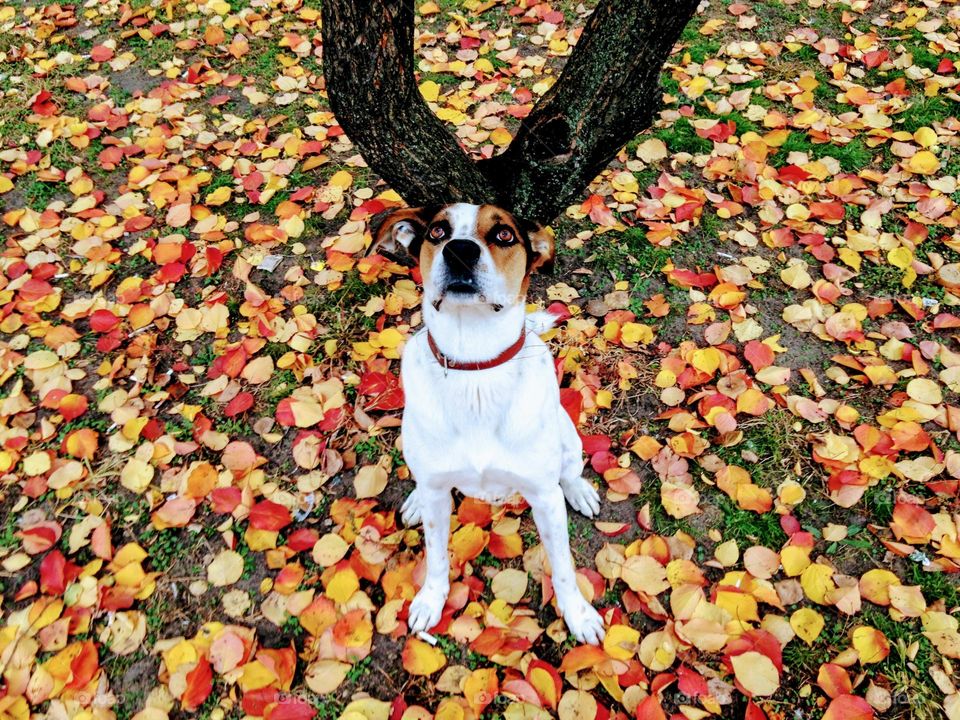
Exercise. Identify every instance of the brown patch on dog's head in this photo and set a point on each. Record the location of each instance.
(507, 243)
(402, 230)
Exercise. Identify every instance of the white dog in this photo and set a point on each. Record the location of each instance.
(483, 411)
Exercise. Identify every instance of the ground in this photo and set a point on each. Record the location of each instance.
(199, 405)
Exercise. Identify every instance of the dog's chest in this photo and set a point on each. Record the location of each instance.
(487, 433)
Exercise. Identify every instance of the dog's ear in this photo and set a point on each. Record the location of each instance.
(541, 246)
(400, 232)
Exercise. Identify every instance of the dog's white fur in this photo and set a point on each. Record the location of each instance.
(488, 433)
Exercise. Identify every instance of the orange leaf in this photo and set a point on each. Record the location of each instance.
(480, 688)
(582, 657)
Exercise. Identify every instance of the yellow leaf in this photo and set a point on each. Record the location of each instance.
(430, 90)
(329, 550)
(817, 582)
(652, 150)
(258, 371)
(727, 553)
(924, 390)
(343, 585)
(621, 642)
(370, 481)
(136, 475)
(6, 185)
(341, 179)
(501, 137)
(875, 585)
(306, 412)
(36, 464)
(218, 196)
(756, 673)
(923, 163)
(325, 676)
(225, 569)
(807, 623)
(871, 645)
(925, 137)
(509, 585)
(900, 257)
(796, 276)
(643, 573)
(696, 87)
(706, 360)
(795, 560)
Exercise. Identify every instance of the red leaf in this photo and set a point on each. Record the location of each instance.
(240, 404)
(268, 515)
(73, 406)
(84, 666)
(225, 499)
(199, 684)
(758, 354)
(284, 413)
(650, 709)
(53, 579)
(102, 321)
(290, 708)
(849, 707)
(572, 402)
(100, 53)
(302, 539)
(255, 701)
(385, 389)
(42, 104)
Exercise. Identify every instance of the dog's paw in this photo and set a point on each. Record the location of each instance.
(582, 496)
(584, 622)
(410, 510)
(426, 608)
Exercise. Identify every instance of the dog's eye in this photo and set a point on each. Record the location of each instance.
(505, 235)
(438, 232)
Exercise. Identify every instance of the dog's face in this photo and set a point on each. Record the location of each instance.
(469, 254)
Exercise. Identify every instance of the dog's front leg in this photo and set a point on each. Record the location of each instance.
(427, 606)
(550, 515)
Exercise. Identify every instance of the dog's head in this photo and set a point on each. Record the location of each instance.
(469, 254)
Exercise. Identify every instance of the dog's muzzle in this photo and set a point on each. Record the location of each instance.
(461, 258)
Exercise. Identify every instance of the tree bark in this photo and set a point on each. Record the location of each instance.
(368, 65)
(607, 93)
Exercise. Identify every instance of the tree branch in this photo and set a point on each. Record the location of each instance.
(607, 93)
(368, 65)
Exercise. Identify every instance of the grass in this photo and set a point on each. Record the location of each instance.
(750, 528)
(852, 156)
(924, 111)
(682, 137)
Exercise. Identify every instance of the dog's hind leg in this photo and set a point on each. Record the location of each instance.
(427, 606)
(550, 515)
(580, 493)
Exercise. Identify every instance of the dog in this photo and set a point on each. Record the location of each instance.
(483, 413)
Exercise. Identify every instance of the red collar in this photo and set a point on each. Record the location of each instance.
(500, 359)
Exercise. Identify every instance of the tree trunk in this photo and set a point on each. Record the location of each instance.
(607, 93)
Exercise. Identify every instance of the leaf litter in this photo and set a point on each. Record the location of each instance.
(200, 393)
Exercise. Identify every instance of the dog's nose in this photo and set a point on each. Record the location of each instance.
(461, 256)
